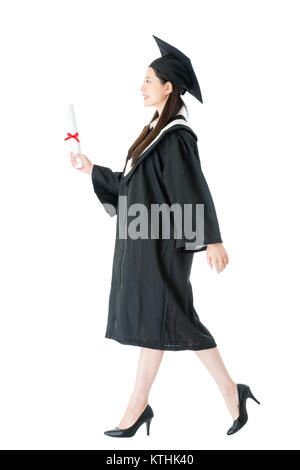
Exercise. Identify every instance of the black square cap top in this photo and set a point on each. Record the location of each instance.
(177, 67)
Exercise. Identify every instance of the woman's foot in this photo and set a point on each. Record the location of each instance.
(231, 397)
(134, 410)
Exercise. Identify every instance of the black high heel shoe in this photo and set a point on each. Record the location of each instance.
(244, 392)
(145, 417)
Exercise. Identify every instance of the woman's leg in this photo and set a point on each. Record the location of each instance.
(149, 362)
(212, 360)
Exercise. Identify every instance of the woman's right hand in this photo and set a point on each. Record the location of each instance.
(87, 165)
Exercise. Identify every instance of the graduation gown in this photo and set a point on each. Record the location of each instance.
(151, 297)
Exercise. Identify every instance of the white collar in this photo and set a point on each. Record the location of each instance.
(177, 121)
(181, 111)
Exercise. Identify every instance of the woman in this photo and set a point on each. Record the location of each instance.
(151, 299)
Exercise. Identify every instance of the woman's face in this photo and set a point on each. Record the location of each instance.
(154, 92)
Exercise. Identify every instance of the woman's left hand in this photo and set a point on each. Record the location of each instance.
(217, 255)
(87, 165)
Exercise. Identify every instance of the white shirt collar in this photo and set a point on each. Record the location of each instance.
(181, 111)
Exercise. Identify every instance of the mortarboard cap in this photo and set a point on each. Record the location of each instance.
(178, 68)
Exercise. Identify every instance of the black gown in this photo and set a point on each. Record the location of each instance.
(151, 297)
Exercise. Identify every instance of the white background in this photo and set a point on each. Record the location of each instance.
(62, 383)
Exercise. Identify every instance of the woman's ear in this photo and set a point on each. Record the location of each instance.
(168, 88)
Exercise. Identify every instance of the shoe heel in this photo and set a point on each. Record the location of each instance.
(250, 394)
(148, 426)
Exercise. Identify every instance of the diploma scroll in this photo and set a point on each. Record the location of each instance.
(72, 137)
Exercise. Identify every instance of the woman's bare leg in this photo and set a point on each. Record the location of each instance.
(212, 360)
(149, 362)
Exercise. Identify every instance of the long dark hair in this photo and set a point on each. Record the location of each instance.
(171, 108)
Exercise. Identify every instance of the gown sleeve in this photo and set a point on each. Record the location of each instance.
(106, 186)
(185, 184)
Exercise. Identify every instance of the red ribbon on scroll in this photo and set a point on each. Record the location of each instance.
(71, 136)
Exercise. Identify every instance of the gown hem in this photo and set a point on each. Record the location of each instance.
(164, 347)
